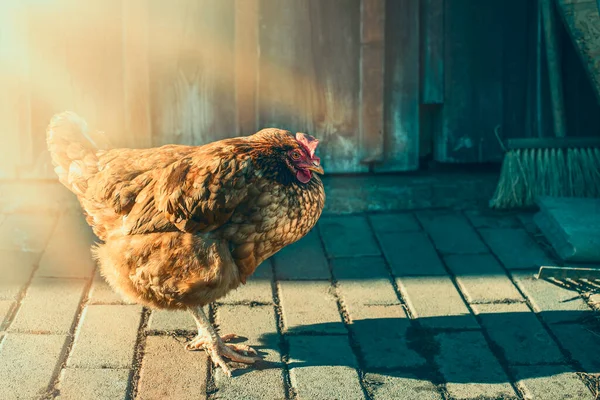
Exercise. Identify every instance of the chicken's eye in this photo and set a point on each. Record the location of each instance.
(295, 155)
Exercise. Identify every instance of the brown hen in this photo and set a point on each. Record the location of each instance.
(181, 226)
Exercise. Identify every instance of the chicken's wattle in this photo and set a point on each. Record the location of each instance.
(303, 175)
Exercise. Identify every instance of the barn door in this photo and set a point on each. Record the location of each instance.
(485, 88)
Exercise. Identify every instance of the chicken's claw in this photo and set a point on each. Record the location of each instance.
(243, 349)
(229, 337)
(218, 349)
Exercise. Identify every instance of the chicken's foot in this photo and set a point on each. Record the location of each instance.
(215, 346)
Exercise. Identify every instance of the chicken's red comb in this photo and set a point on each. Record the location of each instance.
(308, 142)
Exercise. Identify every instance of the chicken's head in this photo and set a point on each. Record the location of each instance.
(301, 159)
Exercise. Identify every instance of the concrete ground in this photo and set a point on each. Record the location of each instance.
(433, 304)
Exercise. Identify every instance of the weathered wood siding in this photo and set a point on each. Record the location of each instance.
(402, 87)
(14, 90)
(384, 84)
(192, 71)
(372, 80)
(74, 67)
(432, 51)
(309, 74)
(473, 104)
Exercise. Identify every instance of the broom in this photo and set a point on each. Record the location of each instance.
(559, 166)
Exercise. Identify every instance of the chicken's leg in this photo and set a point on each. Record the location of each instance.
(214, 345)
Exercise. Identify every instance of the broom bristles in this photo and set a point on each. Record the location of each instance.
(530, 173)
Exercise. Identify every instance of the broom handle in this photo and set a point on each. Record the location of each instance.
(554, 68)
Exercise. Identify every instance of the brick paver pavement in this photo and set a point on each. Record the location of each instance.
(436, 304)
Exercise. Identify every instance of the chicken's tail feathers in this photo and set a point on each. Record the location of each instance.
(73, 150)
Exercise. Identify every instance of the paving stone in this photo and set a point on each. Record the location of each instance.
(15, 271)
(359, 268)
(5, 308)
(386, 343)
(68, 253)
(309, 307)
(482, 279)
(550, 382)
(304, 259)
(555, 303)
(348, 236)
(169, 371)
(323, 367)
(172, 320)
(363, 285)
(26, 232)
(261, 332)
(470, 369)
(50, 306)
(398, 385)
(393, 222)
(582, 342)
(102, 293)
(451, 233)
(373, 306)
(106, 337)
(486, 218)
(256, 290)
(518, 332)
(29, 363)
(436, 302)
(97, 384)
(515, 248)
(252, 382)
(411, 253)
(362, 299)
(528, 223)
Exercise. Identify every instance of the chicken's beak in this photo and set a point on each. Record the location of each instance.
(316, 168)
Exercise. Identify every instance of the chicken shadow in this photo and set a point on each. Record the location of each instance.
(451, 349)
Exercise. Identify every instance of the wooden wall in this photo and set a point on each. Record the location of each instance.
(89, 57)
(381, 83)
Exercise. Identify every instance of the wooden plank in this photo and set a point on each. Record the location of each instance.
(432, 78)
(430, 126)
(286, 76)
(284, 72)
(372, 59)
(309, 74)
(246, 65)
(432, 42)
(14, 96)
(76, 64)
(136, 73)
(402, 87)
(517, 17)
(192, 71)
(47, 49)
(473, 107)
